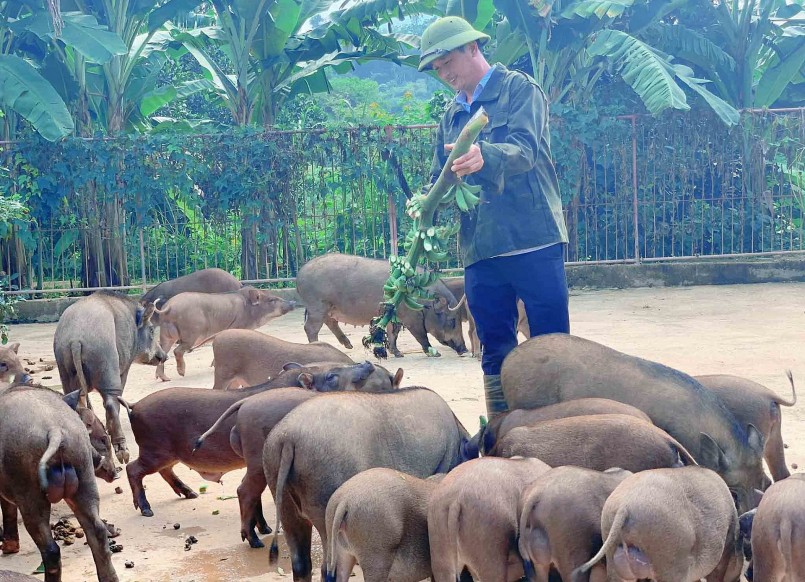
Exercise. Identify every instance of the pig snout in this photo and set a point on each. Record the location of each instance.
(363, 371)
(24, 378)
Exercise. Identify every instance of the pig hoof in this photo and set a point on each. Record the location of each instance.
(146, 511)
(254, 542)
(190, 494)
(122, 453)
(264, 529)
(433, 353)
(11, 547)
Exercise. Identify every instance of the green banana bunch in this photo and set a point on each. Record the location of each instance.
(466, 198)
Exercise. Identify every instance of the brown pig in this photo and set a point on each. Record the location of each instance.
(244, 357)
(9, 576)
(96, 341)
(670, 525)
(379, 518)
(328, 439)
(560, 521)
(191, 319)
(257, 415)
(778, 532)
(356, 299)
(46, 457)
(473, 518)
(754, 404)
(596, 442)
(201, 281)
(556, 368)
(500, 425)
(167, 423)
(10, 366)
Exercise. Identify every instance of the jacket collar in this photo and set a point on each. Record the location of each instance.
(490, 92)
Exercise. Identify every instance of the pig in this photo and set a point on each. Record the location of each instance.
(192, 319)
(96, 341)
(754, 404)
(555, 368)
(257, 415)
(456, 286)
(777, 534)
(596, 442)
(332, 437)
(379, 518)
(560, 521)
(46, 457)
(356, 299)
(473, 519)
(11, 369)
(201, 281)
(675, 525)
(500, 425)
(9, 576)
(167, 423)
(246, 357)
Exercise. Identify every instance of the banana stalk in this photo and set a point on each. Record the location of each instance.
(405, 285)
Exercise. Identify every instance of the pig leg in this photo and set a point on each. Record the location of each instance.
(85, 508)
(179, 353)
(262, 524)
(314, 319)
(36, 517)
(249, 492)
(11, 535)
(345, 563)
(113, 426)
(774, 451)
(179, 487)
(298, 537)
(376, 569)
(168, 335)
(392, 331)
(422, 337)
(339, 334)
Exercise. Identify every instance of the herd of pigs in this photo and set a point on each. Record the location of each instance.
(608, 467)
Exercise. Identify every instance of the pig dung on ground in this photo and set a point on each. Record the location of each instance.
(11, 369)
(778, 532)
(499, 426)
(560, 521)
(46, 457)
(473, 519)
(244, 357)
(558, 367)
(96, 341)
(379, 518)
(754, 404)
(670, 525)
(596, 442)
(257, 415)
(356, 299)
(192, 319)
(323, 442)
(201, 281)
(167, 424)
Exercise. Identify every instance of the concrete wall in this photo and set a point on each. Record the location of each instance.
(775, 269)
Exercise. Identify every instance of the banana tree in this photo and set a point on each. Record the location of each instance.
(572, 43)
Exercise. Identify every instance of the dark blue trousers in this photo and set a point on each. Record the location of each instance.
(493, 287)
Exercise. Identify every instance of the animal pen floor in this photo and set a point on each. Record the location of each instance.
(755, 331)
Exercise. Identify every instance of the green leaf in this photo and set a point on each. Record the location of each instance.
(511, 45)
(724, 110)
(477, 12)
(65, 241)
(279, 24)
(161, 96)
(25, 91)
(775, 79)
(646, 70)
(168, 11)
(691, 46)
(598, 8)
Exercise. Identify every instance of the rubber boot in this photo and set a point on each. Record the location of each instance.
(493, 391)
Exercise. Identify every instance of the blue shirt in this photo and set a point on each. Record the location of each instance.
(461, 98)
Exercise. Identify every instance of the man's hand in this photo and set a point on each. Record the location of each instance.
(469, 163)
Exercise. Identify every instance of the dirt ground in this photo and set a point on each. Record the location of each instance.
(754, 331)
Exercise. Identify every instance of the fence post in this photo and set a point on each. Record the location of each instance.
(392, 207)
(142, 260)
(634, 190)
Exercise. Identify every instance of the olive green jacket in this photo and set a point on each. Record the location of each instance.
(520, 206)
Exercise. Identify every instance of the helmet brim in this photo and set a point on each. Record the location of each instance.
(452, 43)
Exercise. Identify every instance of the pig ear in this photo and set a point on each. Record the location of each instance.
(439, 303)
(254, 296)
(72, 399)
(397, 379)
(291, 366)
(149, 311)
(712, 455)
(755, 439)
(138, 316)
(14, 347)
(306, 381)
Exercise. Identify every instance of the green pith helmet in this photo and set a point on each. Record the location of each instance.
(444, 35)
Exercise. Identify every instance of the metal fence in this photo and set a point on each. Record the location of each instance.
(648, 189)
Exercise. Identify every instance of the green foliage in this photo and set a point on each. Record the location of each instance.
(11, 210)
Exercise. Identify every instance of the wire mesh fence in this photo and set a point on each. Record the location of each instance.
(676, 187)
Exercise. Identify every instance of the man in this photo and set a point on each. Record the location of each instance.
(512, 243)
